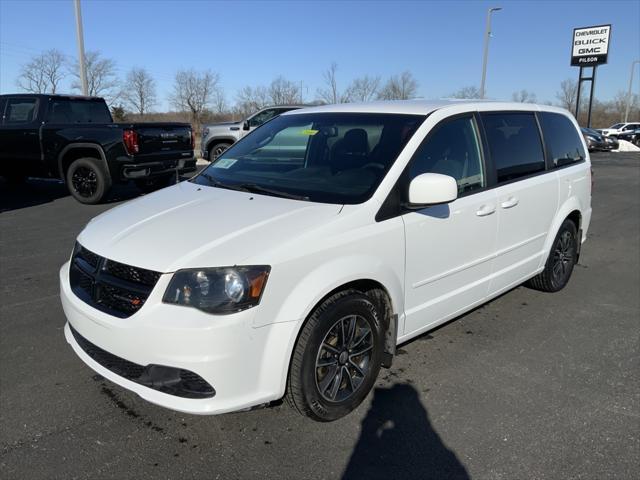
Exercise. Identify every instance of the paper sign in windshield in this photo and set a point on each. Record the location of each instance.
(309, 132)
(225, 163)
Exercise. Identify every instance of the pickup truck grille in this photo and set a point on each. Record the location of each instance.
(112, 287)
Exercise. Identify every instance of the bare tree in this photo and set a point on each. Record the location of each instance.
(139, 92)
(193, 92)
(220, 102)
(524, 96)
(43, 73)
(619, 106)
(567, 94)
(101, 76)
(283, 91)
(249, 99)
(401, 87)
(467, 92)
(363, 89)
(330, 93)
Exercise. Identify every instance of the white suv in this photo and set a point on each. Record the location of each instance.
(620, 128)
(296, 262)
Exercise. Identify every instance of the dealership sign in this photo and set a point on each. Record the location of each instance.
(590, 46)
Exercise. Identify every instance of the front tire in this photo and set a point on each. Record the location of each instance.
(562, 259)
(87, 180)
(337, 357)
(218, 149)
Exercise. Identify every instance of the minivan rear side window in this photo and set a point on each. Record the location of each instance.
(514, 144)
(564, 146)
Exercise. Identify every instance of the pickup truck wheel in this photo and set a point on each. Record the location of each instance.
(562, 259)
(87, 180)
(148, 185)
(337, 357)
(218, 149)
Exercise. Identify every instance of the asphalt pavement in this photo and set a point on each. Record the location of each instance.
(531, 385)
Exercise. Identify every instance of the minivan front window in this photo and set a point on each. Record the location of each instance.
(322, 157)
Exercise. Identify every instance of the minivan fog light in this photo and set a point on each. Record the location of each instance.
(220, 291)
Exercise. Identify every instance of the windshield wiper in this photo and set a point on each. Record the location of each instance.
(252, 187)
(219, 184)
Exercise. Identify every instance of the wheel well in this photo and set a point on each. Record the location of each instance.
(380, 296)
(576, 218)
(72, 155)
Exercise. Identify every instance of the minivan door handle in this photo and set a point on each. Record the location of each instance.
(509, 202)
(485, 210)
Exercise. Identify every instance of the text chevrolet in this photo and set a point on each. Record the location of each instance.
(299, 259)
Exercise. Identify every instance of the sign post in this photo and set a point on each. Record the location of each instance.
(589, 49)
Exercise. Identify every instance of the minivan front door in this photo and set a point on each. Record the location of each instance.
(449, 248)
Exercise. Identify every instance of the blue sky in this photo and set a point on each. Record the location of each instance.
(250, 43)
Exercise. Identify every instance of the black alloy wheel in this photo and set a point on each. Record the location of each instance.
(88, 180)
(84, 182)
(562, 258)
(344, 358)
(337, 356)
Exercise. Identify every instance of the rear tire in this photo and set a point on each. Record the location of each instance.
(148, 185)
(562, 259)
(87, 180)
(337, 357)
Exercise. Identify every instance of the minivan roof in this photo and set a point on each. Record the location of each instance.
(424, 107)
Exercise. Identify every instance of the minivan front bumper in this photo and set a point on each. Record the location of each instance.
(243, 365)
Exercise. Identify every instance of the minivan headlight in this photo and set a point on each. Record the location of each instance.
(221, 290)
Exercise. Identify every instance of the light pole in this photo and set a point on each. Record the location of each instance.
(80, 37)
(487, 34)
(626, 112)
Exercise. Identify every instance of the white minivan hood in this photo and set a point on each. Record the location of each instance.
(193, 226)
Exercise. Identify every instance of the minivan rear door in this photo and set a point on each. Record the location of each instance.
(527, 195)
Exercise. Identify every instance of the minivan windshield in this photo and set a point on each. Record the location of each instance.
(320, 157)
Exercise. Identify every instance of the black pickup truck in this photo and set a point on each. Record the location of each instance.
(74, 138)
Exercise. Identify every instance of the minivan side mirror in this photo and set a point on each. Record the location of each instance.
(245, 125)
(432, 189)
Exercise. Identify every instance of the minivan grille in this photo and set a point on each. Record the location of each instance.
(112, 287)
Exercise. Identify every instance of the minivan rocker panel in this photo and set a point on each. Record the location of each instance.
(341, 276)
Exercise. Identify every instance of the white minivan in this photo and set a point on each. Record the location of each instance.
(295, 263)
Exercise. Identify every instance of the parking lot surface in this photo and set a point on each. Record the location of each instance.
(531, 385)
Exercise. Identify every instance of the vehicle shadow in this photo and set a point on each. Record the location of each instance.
(398, 441)
(29, 193)
(38, 191)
